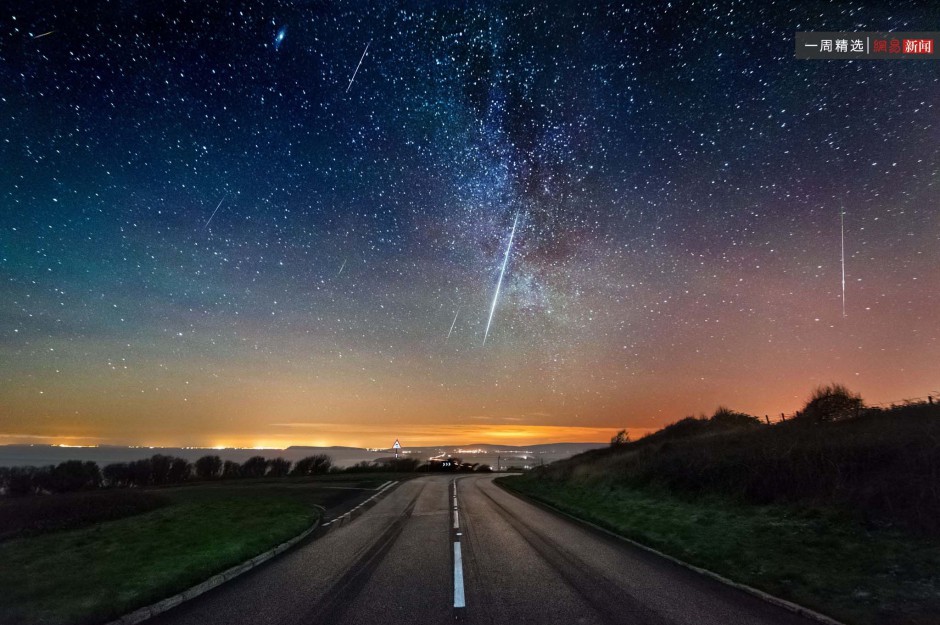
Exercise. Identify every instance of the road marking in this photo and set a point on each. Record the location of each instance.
(348, 514)
(459, 601)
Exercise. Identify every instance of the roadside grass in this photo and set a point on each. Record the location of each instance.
(96, 573)
(820, 558)
(21, 516)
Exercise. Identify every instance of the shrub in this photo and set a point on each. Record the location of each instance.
(278, 467)
(725, 417)
(621, 438)
(180, 471)
(231, 470)
(833, 402)
(140, 472)
(313, 465)
(256, 466)
(208, 467)
(20, 481)
(117, 474)
(73, 475)
(160, 469)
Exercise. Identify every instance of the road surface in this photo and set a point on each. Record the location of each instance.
(418, 554)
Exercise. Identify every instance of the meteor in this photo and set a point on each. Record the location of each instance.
(348, 87)
(842, 225)
(214, 212)
(452, 325)
(500, 282)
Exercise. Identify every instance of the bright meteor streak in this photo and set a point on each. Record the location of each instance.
(500, 282)
(348, 87)
(842, 227)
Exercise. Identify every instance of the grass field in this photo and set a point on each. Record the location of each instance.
(96, 572)
(825, 560)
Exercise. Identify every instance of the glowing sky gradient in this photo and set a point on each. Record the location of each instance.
(211, 235)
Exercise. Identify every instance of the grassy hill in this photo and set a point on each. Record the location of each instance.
(837, 509)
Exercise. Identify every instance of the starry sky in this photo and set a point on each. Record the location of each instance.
(275, 223)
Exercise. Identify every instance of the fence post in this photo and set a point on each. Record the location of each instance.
(783, 417)
(767, 418)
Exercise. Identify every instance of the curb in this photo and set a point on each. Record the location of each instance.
(146, 612)
(760, 594)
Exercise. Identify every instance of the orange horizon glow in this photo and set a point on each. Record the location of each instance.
(328, 435)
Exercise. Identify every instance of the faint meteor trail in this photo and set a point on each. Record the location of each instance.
(500, 282)
(842, 225)
(214, 212)
(449, 332)
(357, 67)
(43, 35)
(341, 268)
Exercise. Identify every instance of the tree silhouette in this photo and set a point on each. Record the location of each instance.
(208, 467)
(278, 467)
(256, 466)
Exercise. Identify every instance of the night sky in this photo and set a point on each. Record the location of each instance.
(211, 234)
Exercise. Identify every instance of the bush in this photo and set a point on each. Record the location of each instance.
(231, 470)
(140, 472)
(160, 469)
(180, 471)
(208, 467)
(73, 475)
(116, 475)
(833, 402)
(727, 418)
(363, 466)
(621, 438)
(313, 465)
(20, 481)
(278, 467)
(256, 466)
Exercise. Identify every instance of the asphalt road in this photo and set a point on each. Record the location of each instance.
(415, 552)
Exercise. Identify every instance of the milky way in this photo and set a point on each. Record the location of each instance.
(680, 175)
